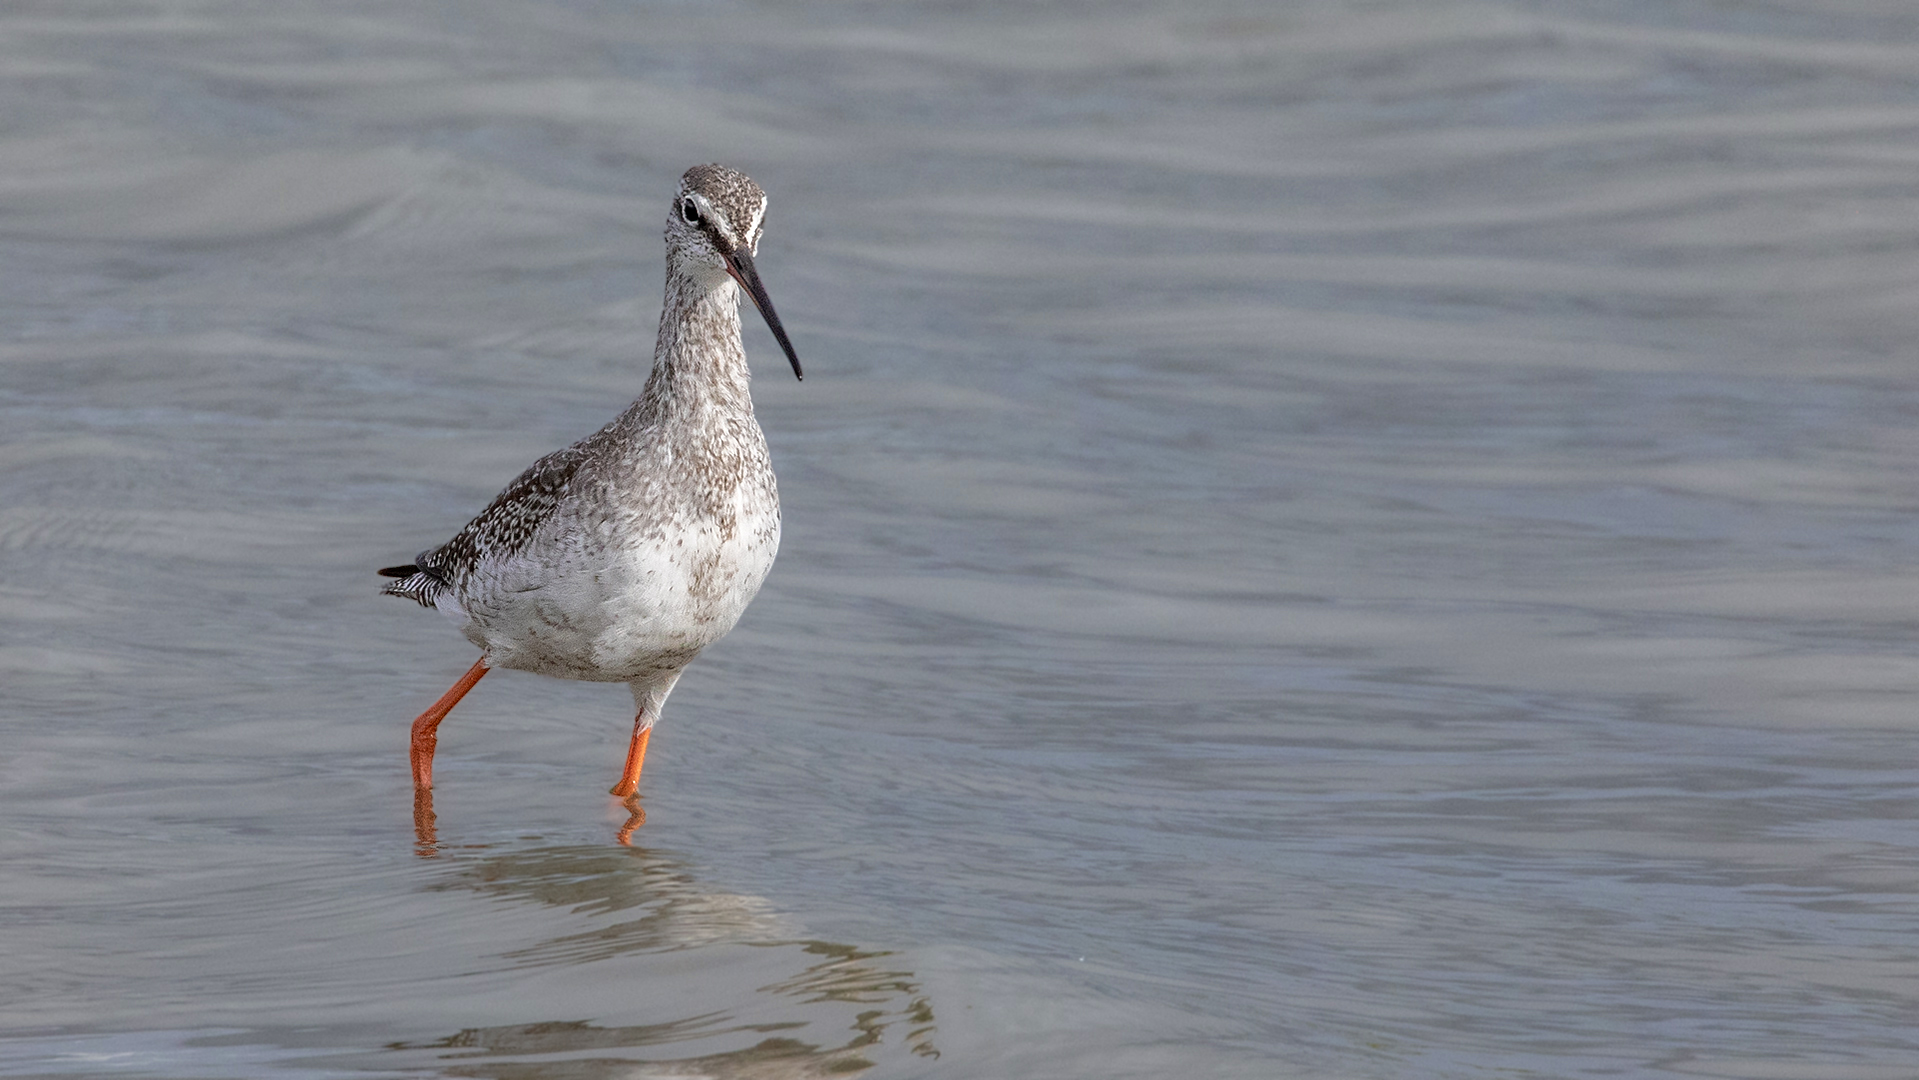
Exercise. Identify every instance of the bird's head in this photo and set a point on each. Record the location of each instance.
(713, 232)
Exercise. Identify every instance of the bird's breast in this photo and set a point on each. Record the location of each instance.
(632, 591)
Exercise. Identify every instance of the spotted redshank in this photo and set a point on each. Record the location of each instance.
(620, 557)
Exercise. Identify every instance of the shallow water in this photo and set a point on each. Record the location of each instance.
(1350, 540)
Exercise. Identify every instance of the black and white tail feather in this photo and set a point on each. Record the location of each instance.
(420, 586)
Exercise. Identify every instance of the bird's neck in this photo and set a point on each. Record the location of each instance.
(698, 361)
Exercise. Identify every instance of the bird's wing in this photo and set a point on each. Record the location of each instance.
(500, 530)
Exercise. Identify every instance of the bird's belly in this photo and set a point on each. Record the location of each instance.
(626, 611)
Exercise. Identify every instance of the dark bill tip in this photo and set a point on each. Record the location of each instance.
(740, 265)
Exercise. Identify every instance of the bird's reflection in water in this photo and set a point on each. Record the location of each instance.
(635, 817)
(426, 824)
(646, 902)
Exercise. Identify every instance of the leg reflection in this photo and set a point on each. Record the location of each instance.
(636, 817)
(426, 836)
(426, 830)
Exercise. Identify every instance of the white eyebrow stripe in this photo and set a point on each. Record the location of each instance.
(707, 213)
(753, 230)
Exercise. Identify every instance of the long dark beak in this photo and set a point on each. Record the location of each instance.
(740, 265)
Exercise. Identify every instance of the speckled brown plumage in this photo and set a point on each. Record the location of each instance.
(620, 557)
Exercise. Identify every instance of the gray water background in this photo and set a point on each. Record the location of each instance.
(1330, 540)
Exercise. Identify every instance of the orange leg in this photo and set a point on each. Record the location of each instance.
(635, 757)
(426, 728)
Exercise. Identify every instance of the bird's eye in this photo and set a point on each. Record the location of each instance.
(690, 212)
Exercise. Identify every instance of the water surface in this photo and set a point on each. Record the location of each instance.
(1352, 539)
